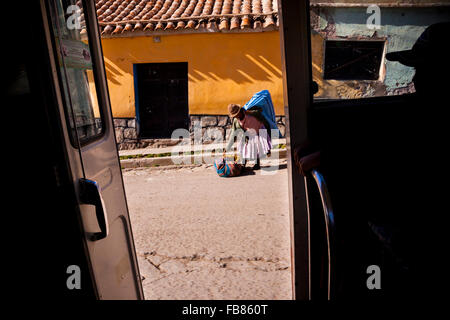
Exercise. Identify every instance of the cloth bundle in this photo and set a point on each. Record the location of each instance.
(227, 168)
(263, 100)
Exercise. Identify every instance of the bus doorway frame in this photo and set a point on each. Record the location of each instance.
(297, 89)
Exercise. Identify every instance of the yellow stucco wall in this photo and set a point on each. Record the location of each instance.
(222, 68)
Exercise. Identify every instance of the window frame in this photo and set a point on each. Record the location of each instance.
(75, 141)
(382, 68)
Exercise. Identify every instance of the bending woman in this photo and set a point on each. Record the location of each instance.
(256, 142)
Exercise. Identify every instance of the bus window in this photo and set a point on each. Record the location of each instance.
(76, 70)
(349, 46)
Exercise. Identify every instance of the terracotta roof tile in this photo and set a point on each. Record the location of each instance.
(118, 17)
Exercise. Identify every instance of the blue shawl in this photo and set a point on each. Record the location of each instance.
(263, 100)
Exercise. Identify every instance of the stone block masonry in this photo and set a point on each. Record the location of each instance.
(212, 127)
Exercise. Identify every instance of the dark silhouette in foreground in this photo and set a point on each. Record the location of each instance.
(386, 184)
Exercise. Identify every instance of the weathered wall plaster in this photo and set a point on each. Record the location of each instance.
(399, 27)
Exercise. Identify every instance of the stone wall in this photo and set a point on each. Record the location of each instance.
(210, 125)
(126, 134)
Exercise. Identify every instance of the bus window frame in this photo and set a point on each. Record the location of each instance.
(94, 51)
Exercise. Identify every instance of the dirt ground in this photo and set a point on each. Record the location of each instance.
(199, 236)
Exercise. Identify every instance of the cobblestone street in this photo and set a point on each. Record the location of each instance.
(199, 236)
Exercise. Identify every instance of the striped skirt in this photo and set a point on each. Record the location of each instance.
(256, 146)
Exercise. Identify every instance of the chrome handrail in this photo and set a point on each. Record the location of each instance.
(329, 221)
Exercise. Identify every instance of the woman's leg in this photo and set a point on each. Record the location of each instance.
(257, 166)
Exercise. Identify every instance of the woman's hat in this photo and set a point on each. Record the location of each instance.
(233, 110)
(430, 47)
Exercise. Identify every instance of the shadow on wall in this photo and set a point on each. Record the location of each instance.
(113, 72)
(400, 27)
(242, 58)
(222, 68)
(242, 69)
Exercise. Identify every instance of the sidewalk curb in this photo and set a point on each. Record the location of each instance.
(187, 148)
(187, 160)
